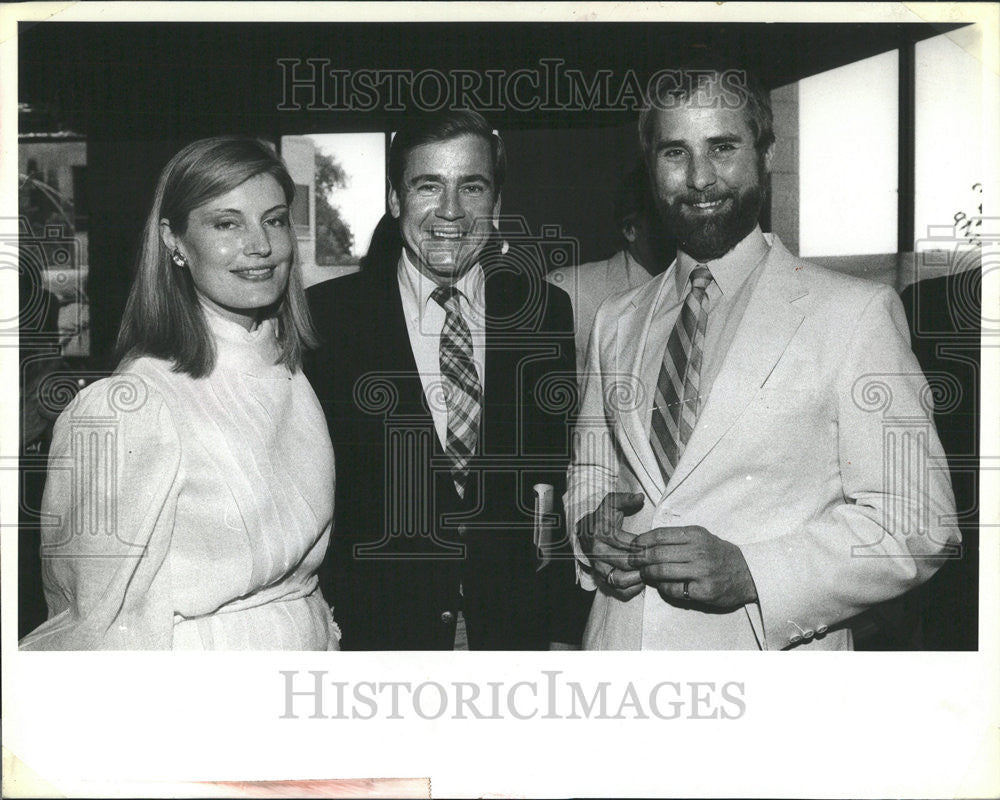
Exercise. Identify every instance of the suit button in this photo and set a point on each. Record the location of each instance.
(821, 629)
(461, 529)
(794, 638)
(447, 617)
(808, 634)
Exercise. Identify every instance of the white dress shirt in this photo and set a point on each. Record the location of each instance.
(424, 323)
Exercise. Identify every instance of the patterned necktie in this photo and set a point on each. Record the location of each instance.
(461, 387)
(677, 401)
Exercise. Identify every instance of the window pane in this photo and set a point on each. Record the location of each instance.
(52, 223)
(848, 152)
(950, 142)
(345, 173)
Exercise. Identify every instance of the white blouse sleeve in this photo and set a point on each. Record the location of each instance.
(108, 513)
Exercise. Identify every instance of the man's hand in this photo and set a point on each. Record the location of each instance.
(711, 570)
(608, 548)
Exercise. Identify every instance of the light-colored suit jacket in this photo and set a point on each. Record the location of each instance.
(588, 285)
(814, 452)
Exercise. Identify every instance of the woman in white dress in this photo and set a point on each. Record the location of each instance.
(189, 498)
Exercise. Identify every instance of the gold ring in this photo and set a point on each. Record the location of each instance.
(687, 596)
(611, 578)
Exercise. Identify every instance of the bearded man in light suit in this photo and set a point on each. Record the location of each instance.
(754, 462)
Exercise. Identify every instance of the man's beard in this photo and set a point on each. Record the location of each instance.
(708, 237)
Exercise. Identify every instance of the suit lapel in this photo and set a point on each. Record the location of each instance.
(630, 346)
(493, 378)
(505, 297)
(769, 322)
(395, 353)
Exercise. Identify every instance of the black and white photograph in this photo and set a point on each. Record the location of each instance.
(382, 362)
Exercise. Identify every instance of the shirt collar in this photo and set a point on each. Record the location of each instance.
(231, 330)
(731, 270)
(471, 285)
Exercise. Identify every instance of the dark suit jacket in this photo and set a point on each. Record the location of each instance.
(403, 540)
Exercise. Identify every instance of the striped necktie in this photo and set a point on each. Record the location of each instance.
(677, 401)
(462, 392)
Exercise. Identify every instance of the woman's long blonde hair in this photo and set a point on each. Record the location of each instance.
(163, 317)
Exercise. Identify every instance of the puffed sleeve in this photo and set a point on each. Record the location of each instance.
(108, 513)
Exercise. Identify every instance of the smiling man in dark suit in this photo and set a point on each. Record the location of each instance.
(442, 374)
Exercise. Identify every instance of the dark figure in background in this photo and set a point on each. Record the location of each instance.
(944, 316)
(440, 375)
(385, 243)
(647, 250)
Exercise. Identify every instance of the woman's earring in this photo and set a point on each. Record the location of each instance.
(179, 260)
